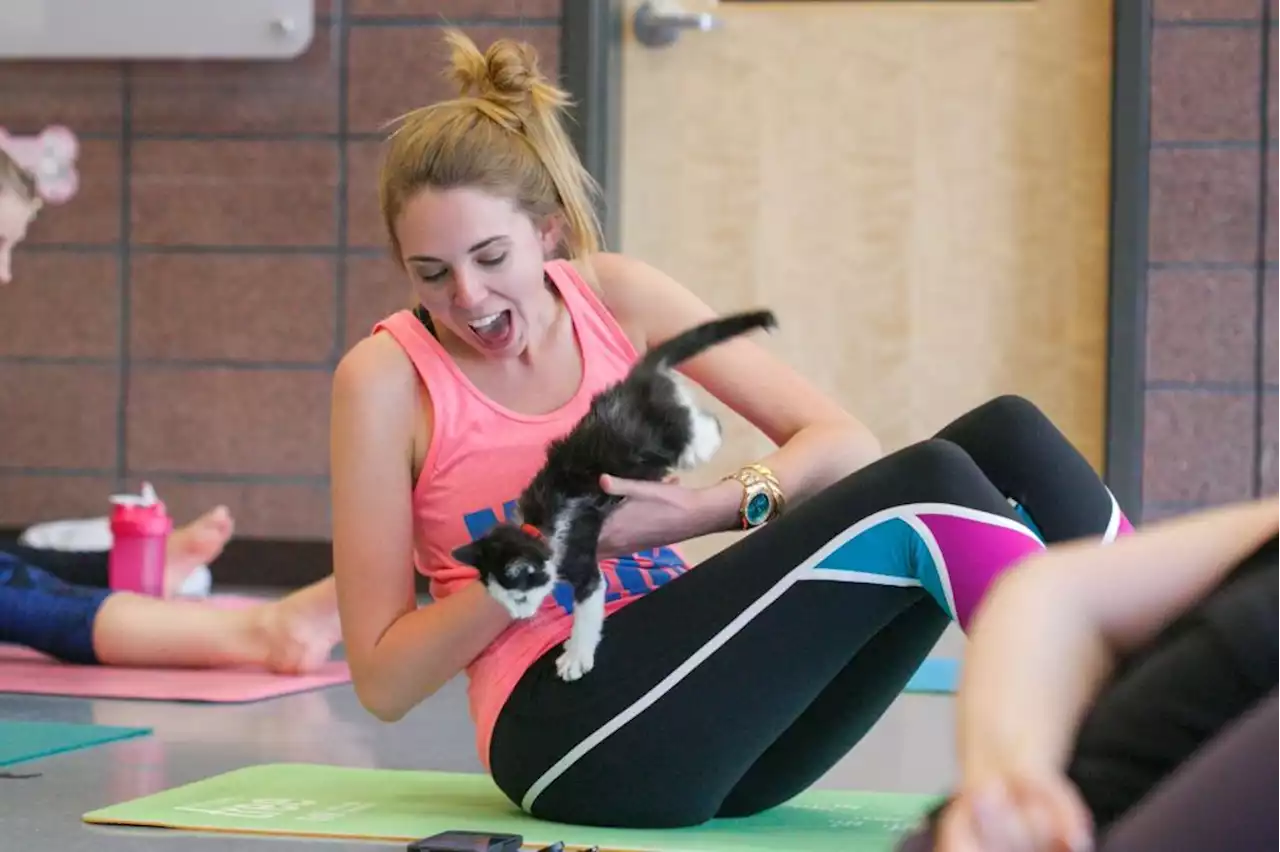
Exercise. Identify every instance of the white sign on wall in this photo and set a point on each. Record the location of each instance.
(155, 29)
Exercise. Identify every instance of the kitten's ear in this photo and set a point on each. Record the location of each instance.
(466, 554)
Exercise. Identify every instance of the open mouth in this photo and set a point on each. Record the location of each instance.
(493, 331)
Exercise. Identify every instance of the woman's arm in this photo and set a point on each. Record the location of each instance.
(818, 441)
(399, 653)
(1050, 633)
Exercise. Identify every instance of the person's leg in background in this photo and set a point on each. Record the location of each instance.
(1223, 798)
(1168, 700)
(194, 544)
(77, 567)
(1172, 701)
(1027, 459)
(89, 626)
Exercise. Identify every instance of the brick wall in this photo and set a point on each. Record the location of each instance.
(1211, 398)
(180, 318)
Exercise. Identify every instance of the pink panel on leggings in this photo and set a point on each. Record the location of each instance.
(975, 553)
(1125, 527)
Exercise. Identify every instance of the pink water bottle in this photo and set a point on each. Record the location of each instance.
(140, 529)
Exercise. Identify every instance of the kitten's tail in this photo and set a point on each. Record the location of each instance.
(690, 343)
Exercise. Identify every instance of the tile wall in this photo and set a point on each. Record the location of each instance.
(1211, 394)
(179, 319)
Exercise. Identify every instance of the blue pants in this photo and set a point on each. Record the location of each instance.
(42, 612)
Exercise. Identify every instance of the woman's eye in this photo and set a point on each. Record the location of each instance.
(435, 276)
(492, 261)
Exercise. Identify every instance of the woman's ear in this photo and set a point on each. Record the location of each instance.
(465, 554)
(551, 234)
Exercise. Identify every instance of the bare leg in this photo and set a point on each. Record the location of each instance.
(291, 636)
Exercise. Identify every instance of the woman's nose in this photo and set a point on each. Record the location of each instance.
(467, 292)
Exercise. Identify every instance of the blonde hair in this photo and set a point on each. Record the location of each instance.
(14, 178)
(503, 134)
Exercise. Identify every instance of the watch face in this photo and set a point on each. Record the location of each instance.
(758, 508)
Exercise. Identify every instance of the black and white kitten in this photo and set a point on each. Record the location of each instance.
(645, 426)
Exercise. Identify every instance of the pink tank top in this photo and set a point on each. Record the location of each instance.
(481, 457)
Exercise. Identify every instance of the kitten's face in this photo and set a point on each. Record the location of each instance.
(514, 566)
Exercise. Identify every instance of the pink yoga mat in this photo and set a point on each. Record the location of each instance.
(25, 671)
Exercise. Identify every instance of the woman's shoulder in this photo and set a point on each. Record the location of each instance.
(610, 275)
(648, 302)
(377, 376)
(632, 291)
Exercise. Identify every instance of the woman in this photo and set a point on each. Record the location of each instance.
(720, 690)
(46, 604)
(1125, 698)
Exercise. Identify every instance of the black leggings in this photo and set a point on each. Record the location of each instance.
(1178, 750)
(735, 687)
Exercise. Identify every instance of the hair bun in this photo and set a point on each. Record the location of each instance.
(506, 74)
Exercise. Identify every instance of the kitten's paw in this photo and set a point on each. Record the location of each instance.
(575, 662)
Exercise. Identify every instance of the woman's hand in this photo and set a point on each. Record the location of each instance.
(657, 514)
(1017, 812)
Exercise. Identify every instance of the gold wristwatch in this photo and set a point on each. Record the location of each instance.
(762, 498)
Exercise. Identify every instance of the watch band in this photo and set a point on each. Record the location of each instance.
(761, 492)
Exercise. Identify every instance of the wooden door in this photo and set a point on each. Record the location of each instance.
(919, 189)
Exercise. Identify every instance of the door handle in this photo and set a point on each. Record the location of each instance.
(659, 24)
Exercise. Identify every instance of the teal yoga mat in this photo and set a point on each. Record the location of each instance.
(21, 742)
(936, 675)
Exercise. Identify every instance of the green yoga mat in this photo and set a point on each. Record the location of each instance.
(25, 741)
(401, 806)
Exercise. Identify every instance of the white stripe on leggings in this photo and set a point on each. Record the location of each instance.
(942, 572)
(806, 570)
(1113, 525)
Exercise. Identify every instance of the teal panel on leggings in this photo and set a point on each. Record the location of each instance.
(891, 548)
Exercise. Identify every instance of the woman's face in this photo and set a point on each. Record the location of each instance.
(476, 263)
(16, 214)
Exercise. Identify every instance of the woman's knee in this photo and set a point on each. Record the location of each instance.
(1011, 406)
(928, 471)
(942, 463)
(1008, 414)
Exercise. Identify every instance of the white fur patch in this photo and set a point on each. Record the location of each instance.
(579, 655)
(559, 533)
(707, 435)
(521, 604)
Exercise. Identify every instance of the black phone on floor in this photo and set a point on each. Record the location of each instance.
(468, 841)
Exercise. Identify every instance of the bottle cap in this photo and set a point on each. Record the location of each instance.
(140, 514)
(146, 498)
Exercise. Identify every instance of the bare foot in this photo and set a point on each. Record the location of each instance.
(301, 629)
(198, 543)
